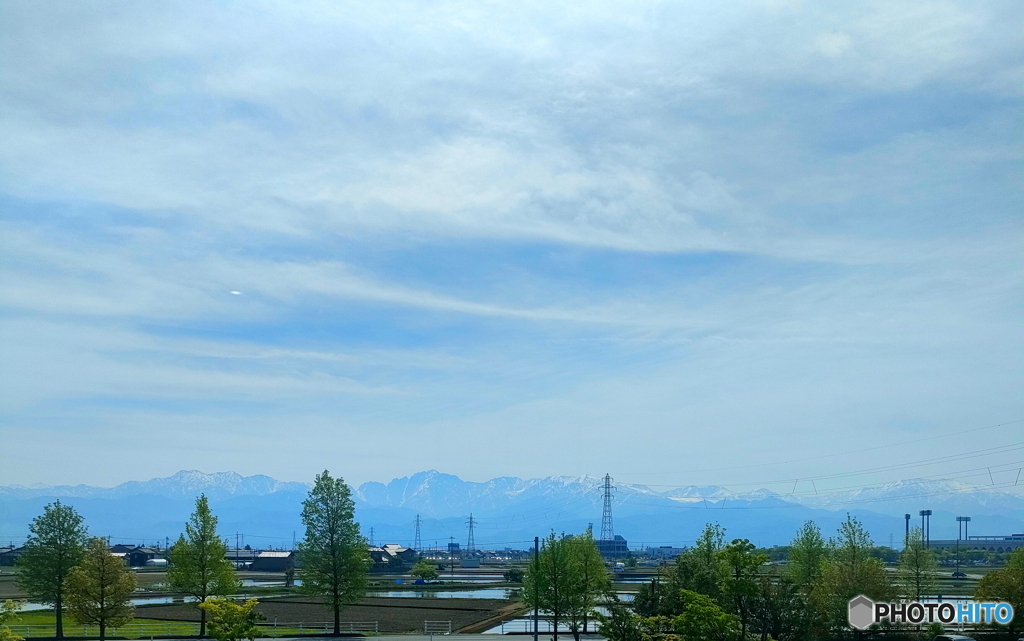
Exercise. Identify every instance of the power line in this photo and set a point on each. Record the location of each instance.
(886, 446)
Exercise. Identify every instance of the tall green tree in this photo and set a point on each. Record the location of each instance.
(740, 584)
(198, 564)
(56, 544)
(549, 579)
(620, 624)
(850, 570)
(700, 569)
(807, 555)
(592, 581)
(703, 620)
(1007, 585)
(917, 567)
(334, 556)
(780, 610)
(100, 589)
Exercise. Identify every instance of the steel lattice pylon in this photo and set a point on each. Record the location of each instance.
(607, 531)
(471, 544)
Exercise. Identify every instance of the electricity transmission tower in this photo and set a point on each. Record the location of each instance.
(471, 544)
(607, 531)
(371, 538)
(416, 542)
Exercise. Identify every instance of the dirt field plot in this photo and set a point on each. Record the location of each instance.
(391, 614)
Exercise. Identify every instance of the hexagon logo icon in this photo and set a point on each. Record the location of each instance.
(862, 612)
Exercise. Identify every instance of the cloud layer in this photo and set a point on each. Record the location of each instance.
(629, 231)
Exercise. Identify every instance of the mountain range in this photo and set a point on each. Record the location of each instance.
(509, 511)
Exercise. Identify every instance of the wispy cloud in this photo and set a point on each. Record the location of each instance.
(679, 221)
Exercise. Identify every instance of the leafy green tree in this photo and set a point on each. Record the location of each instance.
(653, 599)
(807, 555)
(780, 610)
(850, 570)
(917, 567)
(591, 581)
(513, 575)
(620, 624)
(9, 614)
(230, 621)
(703, 620)
(99, 589)
(334, 556)
(55, 546)
(549, 578)
(198, 565)
(424, 569)
(1007, 585)
(700, 569)
(740, 584)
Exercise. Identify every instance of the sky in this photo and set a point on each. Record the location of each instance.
(682, 243)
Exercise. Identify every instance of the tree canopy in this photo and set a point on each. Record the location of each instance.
(55, 545)
(333, 554)
(198, 563)
(100, 589)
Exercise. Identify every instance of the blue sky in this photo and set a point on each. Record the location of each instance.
(650, 238)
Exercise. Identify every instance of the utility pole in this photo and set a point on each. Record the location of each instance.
(451, 557)
(417, 544)
(906, 537)
(536, 595)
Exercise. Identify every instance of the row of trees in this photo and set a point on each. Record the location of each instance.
(62, 567)
(723, 592)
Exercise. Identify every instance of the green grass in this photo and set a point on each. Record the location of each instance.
(138, 628)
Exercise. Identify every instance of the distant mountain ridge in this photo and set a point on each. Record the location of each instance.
(509, 511)
(435, 494)
(187, 483)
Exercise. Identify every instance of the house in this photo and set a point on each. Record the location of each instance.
(406, 555)
(138, 557)
(8, 555)
(392, 556)
(273, 562)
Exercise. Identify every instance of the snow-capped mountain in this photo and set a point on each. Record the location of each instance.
(509, 509)
(186, 483)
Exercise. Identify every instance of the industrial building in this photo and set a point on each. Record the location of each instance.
(987, 543)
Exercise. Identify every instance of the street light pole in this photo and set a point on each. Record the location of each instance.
(926, 529)
(961, 522)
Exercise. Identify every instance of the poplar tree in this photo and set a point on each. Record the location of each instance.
(740, 585)
(850, 570)
(917, 567)
(807, 555)
(198, 564)
(56, 544)
(550, 579)
(100, 589)
(334, 556)
(590, 584)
